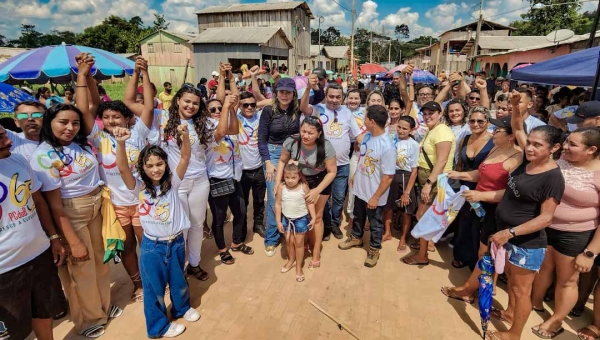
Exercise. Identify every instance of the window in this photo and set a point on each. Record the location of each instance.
(178, 48)
(150, 48)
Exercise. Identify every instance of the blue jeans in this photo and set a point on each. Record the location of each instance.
(332, 214)
(296, 225)
(272, 234)
(526, 258)
(161, 263)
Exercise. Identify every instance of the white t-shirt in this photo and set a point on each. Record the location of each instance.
(407, 153)
(73, 170)
(21, 145)
(359, 117)
(21, 235)
(162, 216)
(248, 141)
(531, 122)
(377, 158)
(197, 166)
(565, 113)
(222, 157)
(340, 133)
(421, 128)
(106, 146)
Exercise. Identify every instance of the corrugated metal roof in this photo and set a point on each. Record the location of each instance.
(184, 36)
(544, 44)
(238, 35)
(510, 42)
(336, 52)
(314, 50)
(473, 26)
(269, 6)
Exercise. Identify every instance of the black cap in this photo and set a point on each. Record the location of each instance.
(503, 123)
(432, 105)
(286, 84)
(321, 73)
(585, 111)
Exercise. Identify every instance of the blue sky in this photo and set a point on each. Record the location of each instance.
(424, 17)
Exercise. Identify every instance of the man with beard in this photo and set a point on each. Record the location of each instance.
(28, 117)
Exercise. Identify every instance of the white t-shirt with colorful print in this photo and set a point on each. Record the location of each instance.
(224, 156)
(248, 140)
(71, 169)
(377, 158)
(338, 133)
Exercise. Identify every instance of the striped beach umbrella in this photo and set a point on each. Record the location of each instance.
(57, 64)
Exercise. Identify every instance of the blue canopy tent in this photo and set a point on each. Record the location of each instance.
(574, 69)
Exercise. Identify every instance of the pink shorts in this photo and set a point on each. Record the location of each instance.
(128, 215)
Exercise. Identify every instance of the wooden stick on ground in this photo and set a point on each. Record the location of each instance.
(339, 324)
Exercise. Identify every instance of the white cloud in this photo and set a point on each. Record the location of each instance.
(443, 16)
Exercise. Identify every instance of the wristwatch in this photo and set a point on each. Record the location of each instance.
(54, 237)
(589, 254)
(512, 232)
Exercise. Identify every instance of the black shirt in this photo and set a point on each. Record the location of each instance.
(523, 200)
(275, 128)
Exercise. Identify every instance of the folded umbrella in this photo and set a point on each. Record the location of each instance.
(486, 289)
(112, 231)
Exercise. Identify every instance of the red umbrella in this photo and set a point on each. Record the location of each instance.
(372, 69)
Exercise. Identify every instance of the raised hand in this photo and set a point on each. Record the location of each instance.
(121, 134)
(232, 99)
(409, 69)
(140, 64)
(481, 84)
(313, 80)
(515, 98)
(182, 129)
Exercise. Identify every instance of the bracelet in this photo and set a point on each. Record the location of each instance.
(54, 237)
(81, 86)
(410, 84)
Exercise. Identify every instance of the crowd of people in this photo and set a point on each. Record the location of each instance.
(528, 156)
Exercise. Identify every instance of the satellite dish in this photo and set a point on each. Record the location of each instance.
(559, 35)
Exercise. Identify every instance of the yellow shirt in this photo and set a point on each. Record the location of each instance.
(166, 99)
(440, 133)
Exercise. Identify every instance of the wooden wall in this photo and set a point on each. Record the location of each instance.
(166, 52)
(172, 74)
(208, 56)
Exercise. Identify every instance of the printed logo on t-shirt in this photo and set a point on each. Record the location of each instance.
(158, 208)
(512, 184)
(19, 194)
(401, 158)
(227, 148)
(333, 129)
(248, 134)
(108, 152)
(64, 164)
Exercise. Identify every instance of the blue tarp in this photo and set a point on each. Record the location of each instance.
(576, 69)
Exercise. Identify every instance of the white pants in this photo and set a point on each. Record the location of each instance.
(194, 198)
(353, 166)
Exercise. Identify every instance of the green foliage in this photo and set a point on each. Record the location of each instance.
(115, 34)
(159, 22)
(550, 18)
(424, 40)
(329, 37)
(402, 31)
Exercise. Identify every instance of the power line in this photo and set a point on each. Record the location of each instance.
(342, 6)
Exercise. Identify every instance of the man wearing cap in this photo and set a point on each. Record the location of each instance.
(214, 82)
(586, 115)
(318, 92)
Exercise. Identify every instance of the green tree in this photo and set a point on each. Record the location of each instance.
(159, 22)
(30, 37)
(5, 42)
(329, 36)
(424, 40)
(114, 34)
(541, 21)
(402, 31)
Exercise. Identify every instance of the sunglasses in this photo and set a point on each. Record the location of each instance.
(335, 114)
(475, 98)
(24, 116)
(314, 118)
(478, 121)
(496, 130)
(247, 105)
(215, 109)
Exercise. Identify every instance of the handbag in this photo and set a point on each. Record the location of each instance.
(222, 187)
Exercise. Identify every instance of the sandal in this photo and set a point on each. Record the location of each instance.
(497, 313)
(401, 249)
(138, 295)
(208, 233)
(590, 332)
(537, 330)
(576, 313)
(451, 293)
(198, 272)
(244, 249)
(458, 265)
(284, 269)
(94, 332)
(415, 246)
(226, 257)
(314, 265)
(300, 278)
(412, 262)
(491, 335)
(114, 312)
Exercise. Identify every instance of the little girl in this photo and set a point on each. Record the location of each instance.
(162, 252)
(292, 216)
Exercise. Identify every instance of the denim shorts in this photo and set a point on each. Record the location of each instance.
(299, 225)
(526, 258)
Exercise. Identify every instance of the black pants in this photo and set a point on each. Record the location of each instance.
(466, 237)
(375, 216)
(218, 207)
(254, 180)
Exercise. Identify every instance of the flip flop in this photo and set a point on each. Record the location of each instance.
(450, 293)
(412, 262)
(285, 270)
(415, 246)
(588, 332)
(542, 336)
(491, 335)
(497, 313)
(458, 265)
(402, 249)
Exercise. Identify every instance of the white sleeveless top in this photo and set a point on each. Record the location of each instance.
(293, 204)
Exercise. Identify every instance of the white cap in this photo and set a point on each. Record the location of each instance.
(215, 73)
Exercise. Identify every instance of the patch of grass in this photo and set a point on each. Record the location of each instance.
(115, 91)
(5, 115)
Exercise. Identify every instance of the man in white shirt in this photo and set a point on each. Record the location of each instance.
(31, 293)
(339, 126)
(371, 183)
(28, 117)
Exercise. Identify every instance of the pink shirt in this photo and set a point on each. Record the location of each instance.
(579, 208)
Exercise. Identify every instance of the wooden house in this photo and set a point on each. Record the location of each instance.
(170, 57)
(292, 17)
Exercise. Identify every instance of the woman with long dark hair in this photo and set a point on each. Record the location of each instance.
(316, 158)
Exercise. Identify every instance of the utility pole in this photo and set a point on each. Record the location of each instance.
(321, 19)
(390, 52)
(371, 54)
(594, 28)
(478, 33)
(352, 42)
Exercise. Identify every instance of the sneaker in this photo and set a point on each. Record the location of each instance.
(337, 232)
(174, 330)
(351, 242)
(191, 315)
(372, 257)
(270, 251)
(327, 237)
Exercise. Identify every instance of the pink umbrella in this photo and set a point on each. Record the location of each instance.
(398, 68)
(301, 82)
(521, 66)
(372, 68)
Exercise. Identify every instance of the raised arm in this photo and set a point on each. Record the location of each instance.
(147, 115)
(186, 150)
(84, 64)
(93, 94)
(482, 86)
(255, 88)
(131, 89)
(305, 101)
(517, 120)
(227, 117)
(404, 93)
(121, 135)
(224, 69)
(443, 95)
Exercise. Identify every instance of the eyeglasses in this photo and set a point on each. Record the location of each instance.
(478, 121)
(24, 116)
(496, 130)
(475, 98)
(215, 109)
(335, 120)
(247, 105)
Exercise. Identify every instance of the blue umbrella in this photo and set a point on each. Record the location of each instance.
(10, 96)
(57, 64)
(486, 288)
(425, 77)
